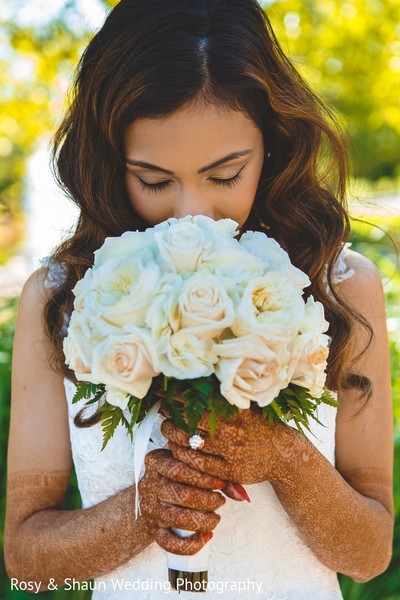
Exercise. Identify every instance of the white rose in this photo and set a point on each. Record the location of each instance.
(204, 306)
(187, 356)
(274, 257)
(120, 292)
(124, 247)
(234, 263)
(128, 362)
(249, 371)
(162, 316)
(117, 397)
(223, 229)
(85, 332)
(271, 305)
(81, 290)
(313, 321)
(182, 245)
(77, 348)
(309, 370)
(310, 352)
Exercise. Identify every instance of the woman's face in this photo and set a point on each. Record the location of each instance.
(201, 160)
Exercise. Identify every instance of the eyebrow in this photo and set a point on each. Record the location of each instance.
(216, 163)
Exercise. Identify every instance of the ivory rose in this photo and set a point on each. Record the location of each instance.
(187, 356)
(273, 257)
(181, 245)
(77, 347)
(249, 371)
(308, 369)
(127, 361)
(126, 246)
(85, 331)
(205, 308)
(270, 305)
(119, 292)
(117, 397)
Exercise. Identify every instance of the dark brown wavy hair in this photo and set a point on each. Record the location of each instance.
(152, 57)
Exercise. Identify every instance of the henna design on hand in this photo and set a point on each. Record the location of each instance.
(245, 449)
(346, 519)
(174, 495)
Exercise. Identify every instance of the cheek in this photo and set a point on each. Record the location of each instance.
(144, 204)
(242, 199)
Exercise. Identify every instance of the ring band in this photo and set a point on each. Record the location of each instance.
(196, 442)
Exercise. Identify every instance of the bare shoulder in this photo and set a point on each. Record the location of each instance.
(38, 401)
(35, 292)
(363, 289)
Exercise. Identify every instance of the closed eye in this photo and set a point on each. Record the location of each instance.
(162, 185)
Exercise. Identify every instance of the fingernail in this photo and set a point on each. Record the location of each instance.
(219, 484)
(241, 491)
(207, 537)
(170, 444)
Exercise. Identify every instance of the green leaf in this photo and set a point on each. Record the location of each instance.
(111, 417)
(86, 390)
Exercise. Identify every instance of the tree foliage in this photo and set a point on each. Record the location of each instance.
(348, 51)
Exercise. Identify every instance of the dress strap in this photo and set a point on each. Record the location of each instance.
(55, 277)
(341, 270)
(55, 272)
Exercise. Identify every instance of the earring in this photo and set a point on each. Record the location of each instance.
(269, 155)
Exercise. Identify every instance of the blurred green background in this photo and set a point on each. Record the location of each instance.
(348, 51)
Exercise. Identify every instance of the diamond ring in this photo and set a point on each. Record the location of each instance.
(196, 442)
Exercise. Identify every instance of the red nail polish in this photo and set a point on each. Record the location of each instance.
(241, 491)
(219, 484)
(207, 537)
(170, 444)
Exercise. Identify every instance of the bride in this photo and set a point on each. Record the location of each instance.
(190, 107)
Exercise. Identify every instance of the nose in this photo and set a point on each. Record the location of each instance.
(193, 203)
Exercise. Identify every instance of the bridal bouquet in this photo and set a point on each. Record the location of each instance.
(185, 312)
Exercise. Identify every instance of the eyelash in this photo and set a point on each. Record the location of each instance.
(158, 187)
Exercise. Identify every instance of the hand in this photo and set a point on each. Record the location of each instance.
(175, 495)
(244, 449)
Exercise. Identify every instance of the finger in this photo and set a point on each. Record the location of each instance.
(165, 464)
(173, 433)
(177, 545)
(235, 491)
(186, 495)
(206, 463)
(168, 515)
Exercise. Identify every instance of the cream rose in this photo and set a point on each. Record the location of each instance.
(187, 356)
(273, 257)
(123, 248)
(310, 352)
(162, 316)
(128, 361)
(205, 308)
(119, 293)
(77, 347)
(85, 331)
(233, 264)
(181, 244)
(249, 371)
(271, 305)
(117, 397)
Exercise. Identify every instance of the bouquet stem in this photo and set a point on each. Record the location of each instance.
(188, 573)
(188, 581)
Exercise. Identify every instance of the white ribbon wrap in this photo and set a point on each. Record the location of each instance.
(141, 438)
(193, 563)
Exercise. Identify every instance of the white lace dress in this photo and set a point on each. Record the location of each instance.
(256, 552)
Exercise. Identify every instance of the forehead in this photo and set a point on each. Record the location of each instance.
(196, 134)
